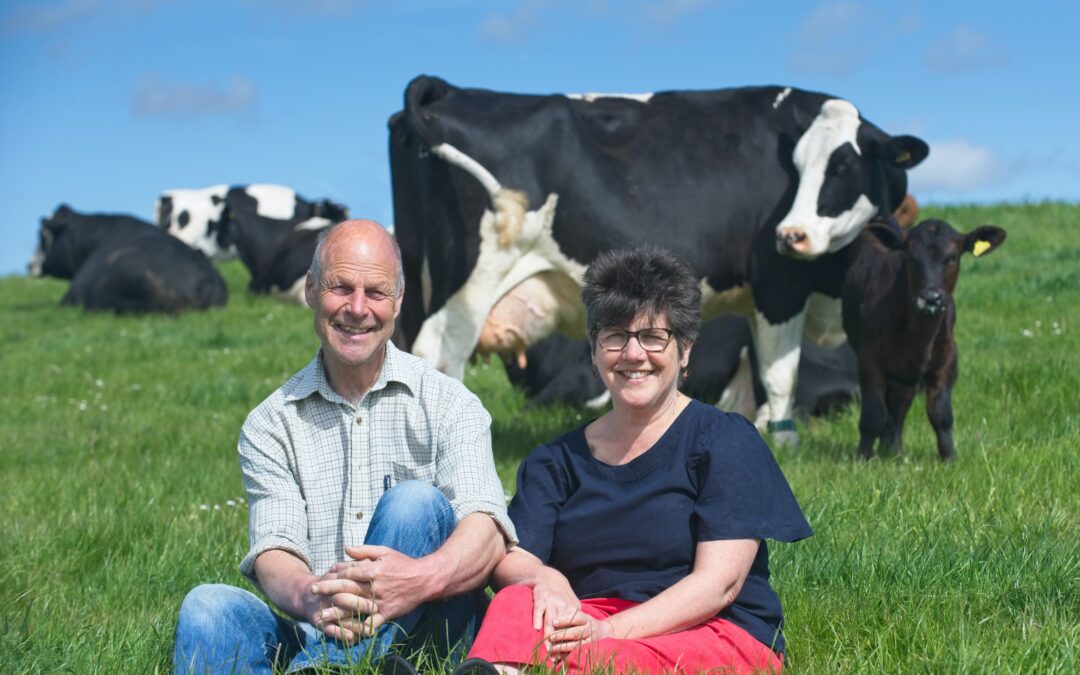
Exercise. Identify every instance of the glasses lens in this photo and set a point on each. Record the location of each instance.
(612, 339)
(653, 339)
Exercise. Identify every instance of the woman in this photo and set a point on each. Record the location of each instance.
(642, 532)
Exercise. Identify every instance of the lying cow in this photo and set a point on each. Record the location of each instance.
(898, 312)
(502, 200)
(558, 370)
(244, 220)
(124, 264)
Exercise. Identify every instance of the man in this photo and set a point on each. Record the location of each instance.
(365, 444)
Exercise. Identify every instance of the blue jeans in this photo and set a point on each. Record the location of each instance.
(224, 629)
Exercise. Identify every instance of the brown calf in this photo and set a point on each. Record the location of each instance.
(898, 313)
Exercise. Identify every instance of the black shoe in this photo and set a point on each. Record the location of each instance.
(392, 664)
(475, 667)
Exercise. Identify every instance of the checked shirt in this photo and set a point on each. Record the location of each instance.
(315, 465)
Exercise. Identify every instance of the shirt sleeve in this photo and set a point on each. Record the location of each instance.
(465, 466)
(276, 509)
(742, 492)
(542, 491)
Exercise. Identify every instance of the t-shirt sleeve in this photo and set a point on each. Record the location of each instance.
(742, 492)
(542, 487)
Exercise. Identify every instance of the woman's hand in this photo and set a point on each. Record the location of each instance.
(554, 602)
(579, 630)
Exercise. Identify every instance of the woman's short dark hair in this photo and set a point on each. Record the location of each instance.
(624, 283)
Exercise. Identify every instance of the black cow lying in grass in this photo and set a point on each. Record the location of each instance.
(898, 313)
(722, 370)
(123, 264)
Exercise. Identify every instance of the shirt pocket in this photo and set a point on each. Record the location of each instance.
(424, 473)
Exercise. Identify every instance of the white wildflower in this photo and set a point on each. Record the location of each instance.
(204, 507)
(82, 405)
(99, 383)
(1027, 333)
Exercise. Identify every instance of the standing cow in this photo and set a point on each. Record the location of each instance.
(899, 312)
(502, 200)
(243, 220)
(123, 264)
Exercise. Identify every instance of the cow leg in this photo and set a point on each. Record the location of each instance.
(778, 348)
(898, 400)
(939, 410)
(873, 417)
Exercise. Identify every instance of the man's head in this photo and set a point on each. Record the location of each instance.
(355, 286)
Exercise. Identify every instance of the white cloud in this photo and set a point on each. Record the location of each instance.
(957, 166)
(154, 98)
(966, 49)
(516, 25)
(670, 11)
(47, 16)
(831, 20)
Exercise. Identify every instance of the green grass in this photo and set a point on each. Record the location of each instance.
(122, 488)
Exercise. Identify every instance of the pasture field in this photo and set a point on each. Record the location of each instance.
(122, 487)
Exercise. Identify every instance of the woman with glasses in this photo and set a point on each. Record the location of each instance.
(642, 532)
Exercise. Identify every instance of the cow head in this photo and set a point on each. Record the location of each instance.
(931, 253)
(849, 171)
(56, 254)
(324, 208)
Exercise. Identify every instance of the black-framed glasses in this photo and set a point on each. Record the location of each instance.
(650, 339)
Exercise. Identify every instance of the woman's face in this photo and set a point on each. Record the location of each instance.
(639, 379)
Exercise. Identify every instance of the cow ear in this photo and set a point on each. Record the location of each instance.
(983, 239)
(886, 235)
(907, 151)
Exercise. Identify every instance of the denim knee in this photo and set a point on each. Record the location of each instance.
(207, 605)
(412, 514)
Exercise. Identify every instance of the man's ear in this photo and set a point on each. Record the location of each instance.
(984, 239)
(400, 302)
(309, 290)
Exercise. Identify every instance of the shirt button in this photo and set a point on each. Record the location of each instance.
(359, 515)
(359, 420)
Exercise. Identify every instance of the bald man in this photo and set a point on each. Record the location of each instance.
(375, 512)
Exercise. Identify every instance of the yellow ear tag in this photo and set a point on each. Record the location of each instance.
(980, 247)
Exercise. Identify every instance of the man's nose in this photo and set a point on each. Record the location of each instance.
(358, 301)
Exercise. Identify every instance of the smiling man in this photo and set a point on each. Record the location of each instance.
(376, 514)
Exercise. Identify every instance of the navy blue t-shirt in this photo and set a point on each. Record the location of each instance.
(631, 531)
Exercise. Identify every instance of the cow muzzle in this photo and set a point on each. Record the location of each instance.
(793, 241)
(930, 303)
(34, 267)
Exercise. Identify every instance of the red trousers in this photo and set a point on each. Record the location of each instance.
(716, 646)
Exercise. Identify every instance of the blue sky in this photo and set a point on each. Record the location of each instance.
(105, 103)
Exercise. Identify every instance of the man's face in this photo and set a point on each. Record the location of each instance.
(355, 301)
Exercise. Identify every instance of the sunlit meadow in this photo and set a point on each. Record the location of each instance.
(122, 488)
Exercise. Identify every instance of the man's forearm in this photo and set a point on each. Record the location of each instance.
(467, 558)
(286, 580)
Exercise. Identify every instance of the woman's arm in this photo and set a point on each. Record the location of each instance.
(554, 602)
(720, 568)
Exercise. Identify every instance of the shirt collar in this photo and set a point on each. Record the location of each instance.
(312, 378)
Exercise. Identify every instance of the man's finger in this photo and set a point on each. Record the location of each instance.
(354, 605)
(335, 586)
(367, 552)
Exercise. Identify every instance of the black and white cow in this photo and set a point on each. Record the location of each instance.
(722, 371)
(123, 264)
(245, 220)
(501, 200)
(285, 268)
